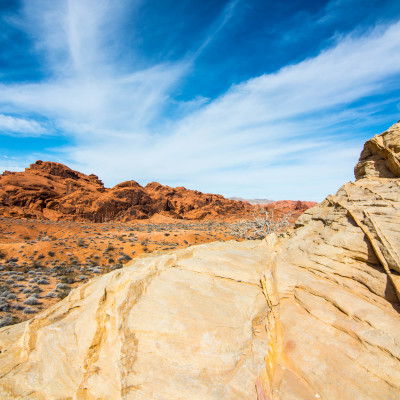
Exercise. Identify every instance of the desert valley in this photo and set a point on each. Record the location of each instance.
(59, 228)
(199, 200)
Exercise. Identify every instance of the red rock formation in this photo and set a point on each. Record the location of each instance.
(291, 207)
(50, 190)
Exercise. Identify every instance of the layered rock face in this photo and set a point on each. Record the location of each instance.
(315, 316)
(185, 325)
(49, 190)
(335, 290)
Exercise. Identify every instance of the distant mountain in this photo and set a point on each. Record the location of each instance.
(252, 201)
(294, 208)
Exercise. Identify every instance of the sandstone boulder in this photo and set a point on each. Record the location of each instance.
(335, 290)
(185, 325)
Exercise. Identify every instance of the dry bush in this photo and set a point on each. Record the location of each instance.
(260, 224)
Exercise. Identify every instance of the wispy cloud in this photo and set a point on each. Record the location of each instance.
(10, 125)
(279, 135)
(9, 164)
(224, 18)
(276, 133)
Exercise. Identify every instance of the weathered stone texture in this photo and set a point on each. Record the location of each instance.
(186, 325)
(315, 316)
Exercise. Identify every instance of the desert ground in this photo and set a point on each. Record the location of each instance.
(59, 228)
(41, 261)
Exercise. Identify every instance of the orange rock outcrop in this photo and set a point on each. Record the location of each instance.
(50, 190)
(291, 208)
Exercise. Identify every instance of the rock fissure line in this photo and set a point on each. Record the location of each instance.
(375, 247)
(94, 348)
(353, 335)
(210, 275)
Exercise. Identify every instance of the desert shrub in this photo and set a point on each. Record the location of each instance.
(51, 253)
(2, 254)
(7, 320)
(36, 264)
(110, 247)
(31, 301)
(63, 294)
(29, 310)
(124, 257)
(67, 279)
(93, 263)
(62, 286)
(259, 225)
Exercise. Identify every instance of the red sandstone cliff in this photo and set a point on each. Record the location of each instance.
(53, 191)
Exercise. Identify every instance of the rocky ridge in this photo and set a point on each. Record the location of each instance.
(313, 316)
(290, 206)
(334, 290)
(53, 191)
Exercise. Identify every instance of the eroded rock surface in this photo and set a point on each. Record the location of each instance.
(185, 325)
(314, 317)
(337, 281)
(50, 190)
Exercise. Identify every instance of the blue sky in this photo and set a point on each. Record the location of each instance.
(256, 98)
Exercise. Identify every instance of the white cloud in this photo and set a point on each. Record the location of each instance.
(11, 167)
(280, 135)
(18, 126)
(219, 24)
(275, 135)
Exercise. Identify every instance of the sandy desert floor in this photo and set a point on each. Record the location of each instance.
(41, 261)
